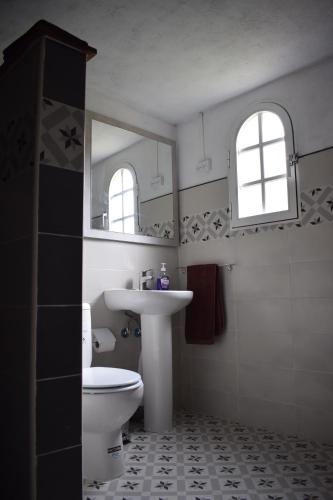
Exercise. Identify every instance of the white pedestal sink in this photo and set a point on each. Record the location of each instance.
(155, 308)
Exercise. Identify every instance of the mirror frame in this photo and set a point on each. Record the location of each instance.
(88, 232)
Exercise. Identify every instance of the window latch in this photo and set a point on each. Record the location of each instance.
(228, 160)
(293, 160)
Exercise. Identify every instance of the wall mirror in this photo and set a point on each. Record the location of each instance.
(130, 184)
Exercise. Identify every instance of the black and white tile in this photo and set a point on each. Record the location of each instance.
(164, 229)
(316, 208)
(62, 135)
(206, 458)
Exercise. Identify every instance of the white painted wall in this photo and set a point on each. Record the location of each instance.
(306, 94)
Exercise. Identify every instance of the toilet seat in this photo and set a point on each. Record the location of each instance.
(102, 380)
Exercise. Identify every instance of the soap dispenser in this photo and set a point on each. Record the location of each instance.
(163, 280)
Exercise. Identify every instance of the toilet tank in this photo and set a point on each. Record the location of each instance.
(86, 336)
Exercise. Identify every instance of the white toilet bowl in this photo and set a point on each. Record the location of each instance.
(110, 396)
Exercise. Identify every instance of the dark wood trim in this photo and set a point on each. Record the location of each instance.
(44, 29)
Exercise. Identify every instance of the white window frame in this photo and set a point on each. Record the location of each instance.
(291, 165)
(126, 166)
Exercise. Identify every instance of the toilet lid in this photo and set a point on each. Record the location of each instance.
(103, 378)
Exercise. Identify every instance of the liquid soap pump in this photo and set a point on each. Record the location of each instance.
(163, 280)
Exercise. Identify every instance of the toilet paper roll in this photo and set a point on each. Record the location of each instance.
(103, 340)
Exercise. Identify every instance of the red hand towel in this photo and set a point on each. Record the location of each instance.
(205, 314)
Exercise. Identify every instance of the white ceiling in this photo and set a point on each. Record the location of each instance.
(173, 58)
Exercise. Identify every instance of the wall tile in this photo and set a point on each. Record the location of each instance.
(312, 315)
(312, 279)
(262, 249)
(16, 340)
(311, 243)
(316, 169)
(315, 425)
(214, 402)
(60, 201)
(314, 390)
(203, 197)
(64, 74)
(272, 384)
(15, 440)
(59, 334)
(220, 251)
(313, 352)
(16, 206)
(264, 315)
(223, 350)
(18, 98)
(262, 281)
(62, 135)
(58, 413)
(16, 279)
(275, 416)
(59, 475)
(266, 348)
(209, 373)
(59, 270)
(126, 353)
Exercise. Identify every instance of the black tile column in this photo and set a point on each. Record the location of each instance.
(42, 91)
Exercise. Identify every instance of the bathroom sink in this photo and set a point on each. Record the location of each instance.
(155, 308)
(151, 302)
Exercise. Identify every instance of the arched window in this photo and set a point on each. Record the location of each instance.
(123, 201)
(262, 180)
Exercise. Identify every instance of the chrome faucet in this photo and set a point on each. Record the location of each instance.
(146, 277)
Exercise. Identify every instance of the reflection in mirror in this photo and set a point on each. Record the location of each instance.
(131, 182)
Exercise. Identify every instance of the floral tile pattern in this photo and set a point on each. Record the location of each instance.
(215, 466)
(316, 208)
(160, 230)
(62, 135)
(17, 143)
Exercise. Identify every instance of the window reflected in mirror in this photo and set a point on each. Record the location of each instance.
(131, 182)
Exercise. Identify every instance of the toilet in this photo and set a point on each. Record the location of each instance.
(110, 396)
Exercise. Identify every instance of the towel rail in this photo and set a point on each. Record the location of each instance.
(228, 267)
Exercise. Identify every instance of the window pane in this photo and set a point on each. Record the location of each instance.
(248, 166)
(127, 179)
(275, 159)
(116, 208)
(248, 134)
(116, 184)
(272, 126)
(249, 201)
(129, 225)
(276, 195)
(117, 226)
(129, 203)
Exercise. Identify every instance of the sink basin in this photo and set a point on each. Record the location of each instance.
(152, 302)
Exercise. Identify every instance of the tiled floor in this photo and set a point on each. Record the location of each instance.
(205, 458)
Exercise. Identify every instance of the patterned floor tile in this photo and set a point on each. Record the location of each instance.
(205, 458)
(198, 484)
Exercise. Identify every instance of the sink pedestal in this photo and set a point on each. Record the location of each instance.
(157, 372)
(155, 308)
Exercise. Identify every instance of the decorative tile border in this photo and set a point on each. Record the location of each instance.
(62, 135)
(316, 208)
(160, 230)
(17, 145)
